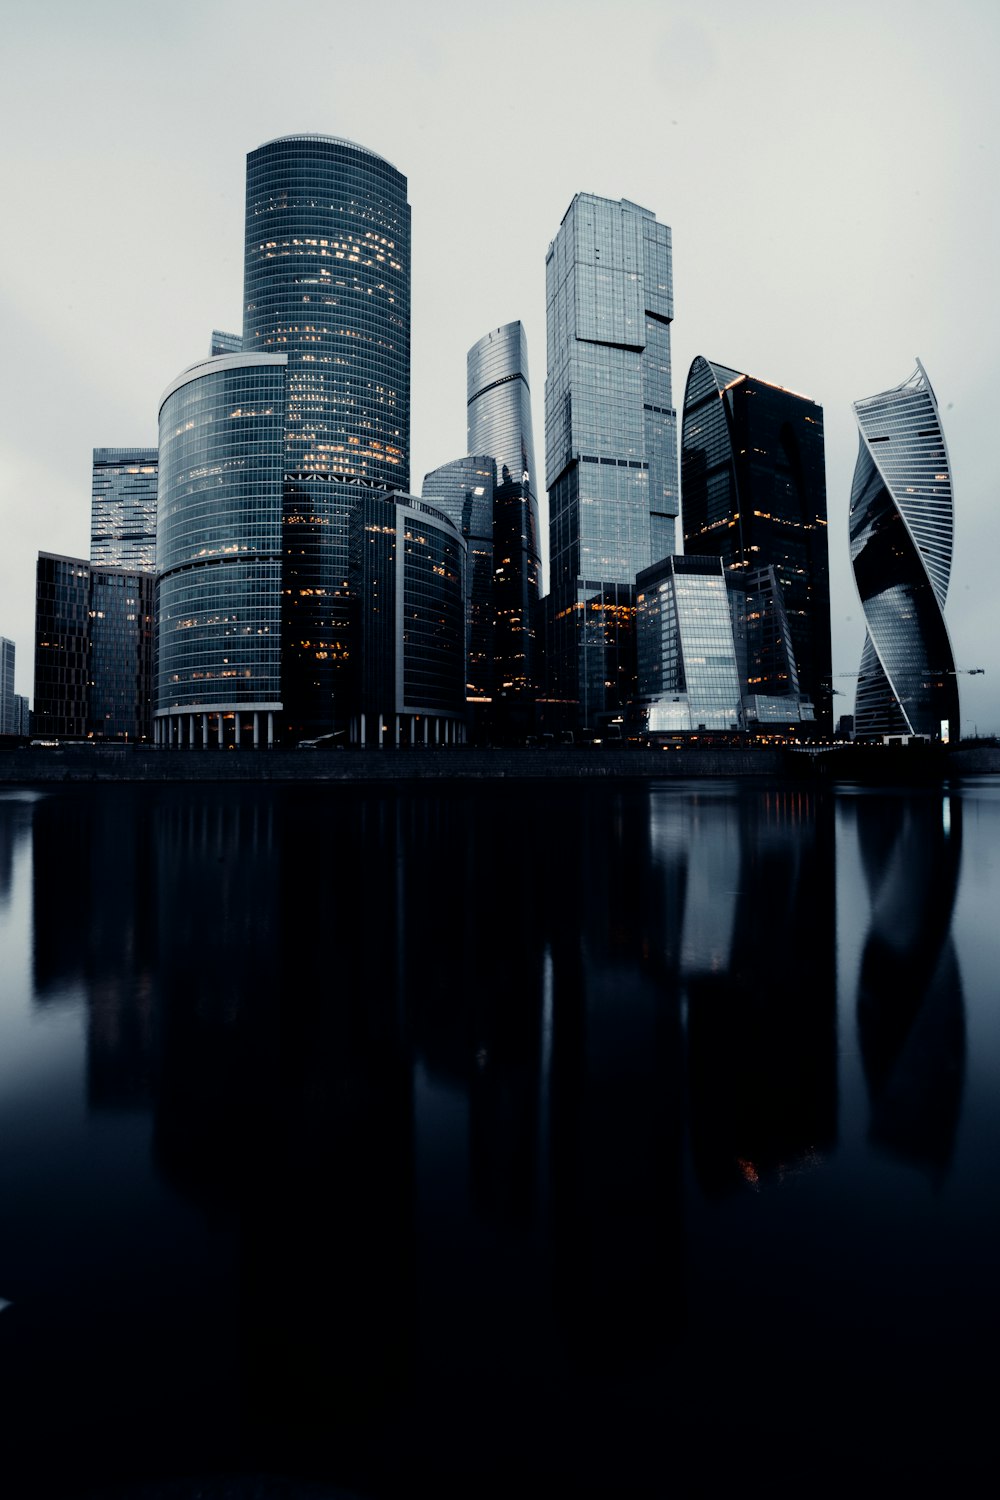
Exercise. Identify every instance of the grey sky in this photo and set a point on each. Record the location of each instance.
(830, 173)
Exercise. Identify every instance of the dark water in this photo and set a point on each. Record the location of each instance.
(495, 1141)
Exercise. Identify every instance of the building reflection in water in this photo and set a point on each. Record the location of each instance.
(429, 1057)
(754, 883)
(911, 1013)
(16, 810)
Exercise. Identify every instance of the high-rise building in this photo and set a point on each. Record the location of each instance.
(499, 424)
(120, 654)
(407, 572)
(610, 442)
(753, 489)
(464, 490)
(218, 675)
(62, 655)
(225, 343)
(8, 707)
(123, 508)
(902, 533)
(327, 284)
(687, 677)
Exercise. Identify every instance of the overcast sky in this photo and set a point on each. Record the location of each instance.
(830, 173)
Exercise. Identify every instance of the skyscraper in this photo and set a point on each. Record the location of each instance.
(9, 720)
(902, 532)
(464, 490)
(123, 508)
(62, 654)
(610, 441)
(687, 659)
(327, 284)
(499, 424)
(219, 553)
(753, 489)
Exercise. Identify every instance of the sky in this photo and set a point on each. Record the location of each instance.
(829, 173)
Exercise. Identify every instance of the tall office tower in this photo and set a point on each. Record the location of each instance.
(464, 490)
(219, 553)
(123, 508)
(225, 343)
(327, 284)
(687, 676)
(407, 572)
(753, 485)
(62, 664)
(499, 423)
(120, 654)
(610, 441)
(902, 531)
(22, 723)
(8, 708)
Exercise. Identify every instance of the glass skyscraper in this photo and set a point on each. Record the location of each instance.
(464, 490)
(902, 532)
(9, 720)
(753, 485)
(120, 654)
(610, 442)
(123, 508)
(327, 284)
(218, 674)
(499, 424)
(62, 654)
(688, 680)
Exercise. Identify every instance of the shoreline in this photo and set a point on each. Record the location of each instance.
(145, 764)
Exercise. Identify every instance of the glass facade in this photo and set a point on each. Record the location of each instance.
(687, 674)
(610, 441)
(499, 423)
(9, 720)
(464, 491)
(225, 343)
(327, 284)
(753, 482)
(120, 654)
(407, 573)
(62, 619)
(902, 534)
(123, 508)
(219, 543)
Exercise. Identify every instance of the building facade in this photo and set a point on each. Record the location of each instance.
(610, 443)
(327, 284)
(218, 665)
(407, 573)
(120, 654)
(902, 534)
(225, 343)
(753, 486)
(688, 680)
(499, 424)
(464, 490)
(62, 656)
(123, 508)
(8, 708)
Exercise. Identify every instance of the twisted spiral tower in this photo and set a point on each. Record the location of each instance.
(902, 532)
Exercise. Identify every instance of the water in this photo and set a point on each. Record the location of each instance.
(639, 1139)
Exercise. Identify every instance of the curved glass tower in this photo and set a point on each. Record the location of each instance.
(499, 424)
(327, 283)
(218, 552)
(902, 533)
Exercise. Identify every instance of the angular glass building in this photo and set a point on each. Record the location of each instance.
(120, 654)
(499, 424)
(610, 442)
(902, 534)
(407, 573)
(218, 671)
(687, 675)
(464, 490)
(753, 486)
(327, 284)
(9, 720)
(123, 508)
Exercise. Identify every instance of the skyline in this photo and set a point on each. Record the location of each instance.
(822, 235)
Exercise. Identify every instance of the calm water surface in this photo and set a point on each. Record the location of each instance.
(643, 1139)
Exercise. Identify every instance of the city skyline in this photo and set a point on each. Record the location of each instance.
(839, 249)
